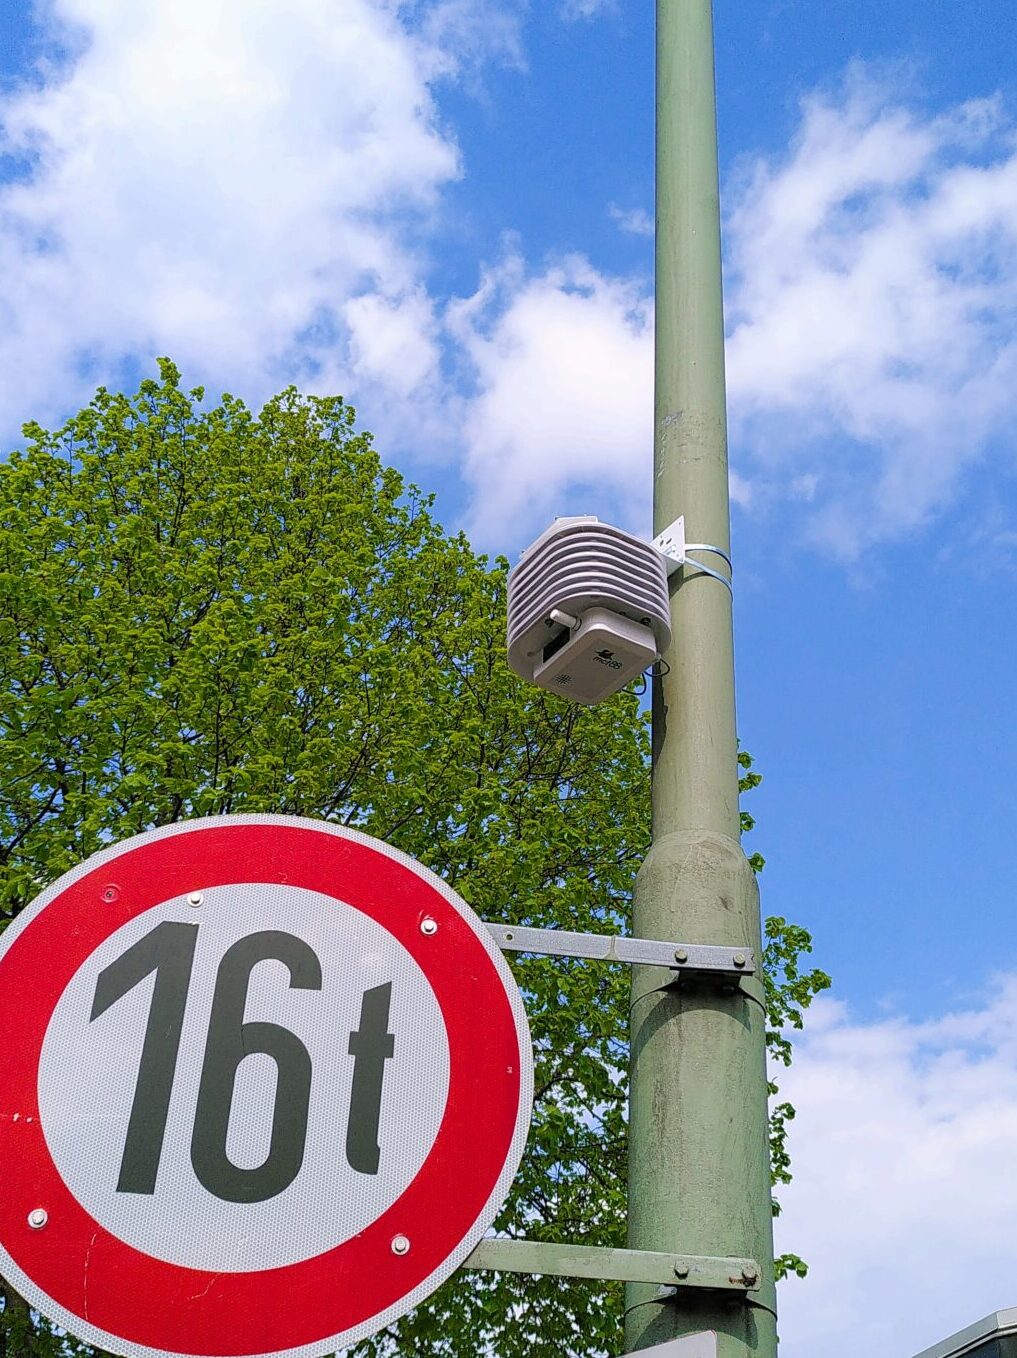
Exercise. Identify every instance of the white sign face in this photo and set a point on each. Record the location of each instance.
(90, 1069)
(252, 1056)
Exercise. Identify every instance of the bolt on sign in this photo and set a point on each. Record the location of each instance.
(251, 1057)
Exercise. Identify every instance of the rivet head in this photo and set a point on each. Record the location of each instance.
(428, 926)
(400, 1245)
(110, 893)
(37, 1218)
(739, 959)
(680, 955)
(195, 898)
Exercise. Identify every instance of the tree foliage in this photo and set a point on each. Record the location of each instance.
(204, 611)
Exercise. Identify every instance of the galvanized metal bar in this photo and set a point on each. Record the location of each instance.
(607, 1265)
(616, 948)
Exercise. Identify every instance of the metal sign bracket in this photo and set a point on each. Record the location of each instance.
(688, 963)
(680, 1271)
(705, 959)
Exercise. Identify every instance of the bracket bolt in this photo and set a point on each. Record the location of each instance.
(739, 959)
(681, 1270)
(195, 898)
(749, 1277)
(400, 1245)
(110, 893)
(680, 955)
(37, 1218)
(428, 926)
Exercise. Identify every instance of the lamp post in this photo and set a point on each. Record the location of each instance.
(699, 1152)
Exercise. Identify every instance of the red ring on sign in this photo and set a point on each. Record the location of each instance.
(113, 1286)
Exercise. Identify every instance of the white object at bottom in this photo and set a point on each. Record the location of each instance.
(691, 1346)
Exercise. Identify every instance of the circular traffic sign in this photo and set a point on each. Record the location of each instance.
(266, 1084)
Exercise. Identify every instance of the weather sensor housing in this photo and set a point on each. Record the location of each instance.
(588, 609)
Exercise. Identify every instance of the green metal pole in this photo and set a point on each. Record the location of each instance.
(699, 1158)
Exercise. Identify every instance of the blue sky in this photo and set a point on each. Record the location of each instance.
(443, 209)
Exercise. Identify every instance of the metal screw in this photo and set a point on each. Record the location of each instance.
(400, 1245)
(739, 959)
(195, 898)
(749, 1276)
(110, 894)
(37, 1218)
(681, 1270)
(680, 955)
(428, 926)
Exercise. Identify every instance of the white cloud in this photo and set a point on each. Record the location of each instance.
(586, 9)
(872, 307)
(393, 340)
(564, 371)
(872, 304)
(905, 1191)
(254, 190)
(462, 36)
(217, 182)
(637, 221)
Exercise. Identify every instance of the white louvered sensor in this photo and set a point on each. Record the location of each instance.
(587, 609)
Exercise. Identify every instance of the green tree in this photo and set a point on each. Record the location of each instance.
(790, 989)
(204, 611)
